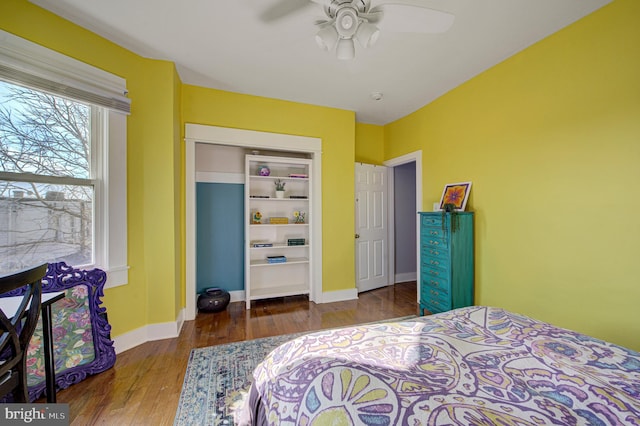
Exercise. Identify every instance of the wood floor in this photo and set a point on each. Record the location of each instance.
(143, 388)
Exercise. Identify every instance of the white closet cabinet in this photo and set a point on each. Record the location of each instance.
(277, 234)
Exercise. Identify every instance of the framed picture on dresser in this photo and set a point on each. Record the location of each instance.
(456, 194)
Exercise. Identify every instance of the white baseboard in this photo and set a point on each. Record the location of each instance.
(338, 296)
(168, 330)
(237, 296)
(406, 276)
(149, 333)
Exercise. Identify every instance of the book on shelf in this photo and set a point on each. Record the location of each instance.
(262, 244)
(296, 241)
(276, 259)
(298, 175)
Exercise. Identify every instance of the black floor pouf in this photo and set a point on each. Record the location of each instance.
(213, 300)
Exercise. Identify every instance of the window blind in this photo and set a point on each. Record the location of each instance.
(30, 64)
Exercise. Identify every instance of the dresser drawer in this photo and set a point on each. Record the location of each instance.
(435, 262)
(440, 293)
(433, 232)
(430, 282)
(436, 306)
(431, 220)
(434, 242)
(432, 250)
(434, 272)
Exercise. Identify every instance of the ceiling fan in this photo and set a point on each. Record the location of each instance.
(349, 20)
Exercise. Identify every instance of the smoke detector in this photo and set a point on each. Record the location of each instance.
(376, 96)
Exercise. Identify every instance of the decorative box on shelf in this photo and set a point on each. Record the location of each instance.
(278, 220)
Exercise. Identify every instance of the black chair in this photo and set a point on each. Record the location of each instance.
(17, 329)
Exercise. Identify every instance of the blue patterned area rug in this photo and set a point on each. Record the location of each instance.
(219, 377)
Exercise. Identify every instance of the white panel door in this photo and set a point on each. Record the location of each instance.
(371, 227)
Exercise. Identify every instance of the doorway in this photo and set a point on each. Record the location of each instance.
(399, 248)
(404, 201)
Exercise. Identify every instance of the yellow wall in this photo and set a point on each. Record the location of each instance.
(226, 109)
(369, 143)
(550, 139)
(154, 245)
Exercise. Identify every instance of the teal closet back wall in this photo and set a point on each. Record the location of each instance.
(220, 236)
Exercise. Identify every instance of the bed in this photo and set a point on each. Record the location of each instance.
(475, 365)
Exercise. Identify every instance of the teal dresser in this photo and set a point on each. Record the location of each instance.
(446, 261)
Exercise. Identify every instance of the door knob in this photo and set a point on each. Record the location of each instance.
(357, 235)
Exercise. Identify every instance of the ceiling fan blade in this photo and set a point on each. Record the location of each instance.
(282, 9)
(373, 16)
(405, 18)
(324, 22)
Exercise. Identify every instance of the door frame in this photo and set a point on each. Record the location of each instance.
(411, 157)
(199, 133)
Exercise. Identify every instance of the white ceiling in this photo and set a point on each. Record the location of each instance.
(225, 45)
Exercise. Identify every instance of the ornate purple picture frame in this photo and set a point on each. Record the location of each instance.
(62, 277)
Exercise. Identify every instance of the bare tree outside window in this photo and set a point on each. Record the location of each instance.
(46, 186)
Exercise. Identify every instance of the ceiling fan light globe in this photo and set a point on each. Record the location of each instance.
(374, 37)
(327, 38)
(345, 50)
(367, 34)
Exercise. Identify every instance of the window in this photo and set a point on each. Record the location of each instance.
(62, 162)
(47, 182)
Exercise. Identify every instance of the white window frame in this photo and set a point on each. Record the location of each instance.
(107, 91)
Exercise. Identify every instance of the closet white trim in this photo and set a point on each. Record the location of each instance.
(198, 133)
(218, 177)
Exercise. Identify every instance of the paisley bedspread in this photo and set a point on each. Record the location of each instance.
(476, 365)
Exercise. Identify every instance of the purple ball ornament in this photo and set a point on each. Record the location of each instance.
(264, 171)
